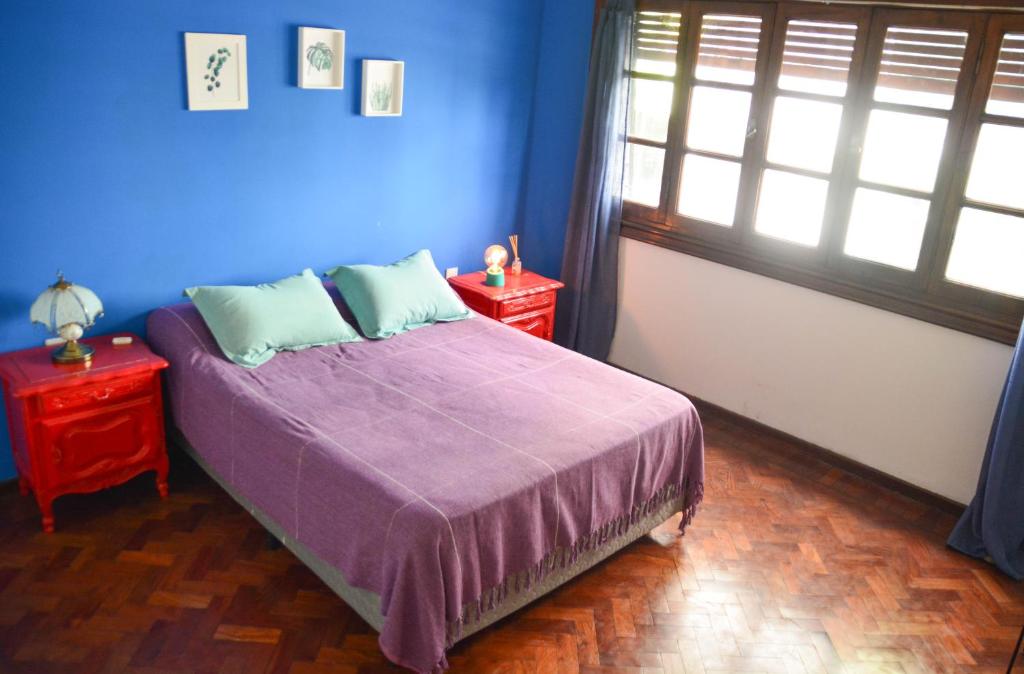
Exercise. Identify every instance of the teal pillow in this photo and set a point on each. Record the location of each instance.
(252, 323)
(398, 297)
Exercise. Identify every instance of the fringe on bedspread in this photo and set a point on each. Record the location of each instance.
(568, 556)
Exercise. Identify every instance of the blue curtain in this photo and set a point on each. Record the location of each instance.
(586, 315)
(993, 525)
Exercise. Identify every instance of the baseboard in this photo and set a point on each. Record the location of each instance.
(826, 456)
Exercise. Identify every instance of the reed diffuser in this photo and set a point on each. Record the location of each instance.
(517, 265)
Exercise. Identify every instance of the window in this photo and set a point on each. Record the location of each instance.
(987, 251)
(870, 152)
(653, 70)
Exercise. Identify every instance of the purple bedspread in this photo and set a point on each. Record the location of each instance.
(437, 467)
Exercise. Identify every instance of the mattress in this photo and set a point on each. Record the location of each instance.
(438, 477)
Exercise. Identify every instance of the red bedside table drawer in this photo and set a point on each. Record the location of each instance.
(84, 450)
(541, 324)
(521, 305)
(101, 394)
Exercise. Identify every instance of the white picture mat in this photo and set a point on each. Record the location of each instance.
(383, 73)
(308, 76)
(233, 94)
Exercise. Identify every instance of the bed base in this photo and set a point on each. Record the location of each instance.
(367, 603)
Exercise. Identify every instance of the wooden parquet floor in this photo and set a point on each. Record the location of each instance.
(790, 566)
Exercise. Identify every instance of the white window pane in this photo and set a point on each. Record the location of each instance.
(791, 207)
(987, 252)
(817, 57)
(886, 228)
(708, 189)
(642, 183)
(649, 109)
(804, 133)
(1007, 94)
(728, 48)
(655, 67)
(655, 43)
(718, 120)
(903, 150)
(920, 66)
(995, 176)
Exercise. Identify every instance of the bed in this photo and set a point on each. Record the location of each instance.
(440, 479)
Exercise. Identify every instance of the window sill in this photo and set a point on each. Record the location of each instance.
(998, 328)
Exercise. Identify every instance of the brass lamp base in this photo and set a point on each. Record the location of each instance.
(73, 352)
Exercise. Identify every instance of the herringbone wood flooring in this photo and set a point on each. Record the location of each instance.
(790, 566)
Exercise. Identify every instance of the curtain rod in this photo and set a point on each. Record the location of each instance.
(917, 5)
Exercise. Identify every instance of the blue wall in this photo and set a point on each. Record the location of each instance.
(106, 175)
(554, 138)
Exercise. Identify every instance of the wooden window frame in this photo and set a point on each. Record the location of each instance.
(923, 294)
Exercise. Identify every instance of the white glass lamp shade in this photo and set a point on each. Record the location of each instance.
(64, 304)
(495, 257)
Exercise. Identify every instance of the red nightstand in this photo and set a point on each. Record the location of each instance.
(81, 428)
(526, 302)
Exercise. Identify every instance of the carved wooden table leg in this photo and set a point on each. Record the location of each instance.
(46, 507)
(161, 476)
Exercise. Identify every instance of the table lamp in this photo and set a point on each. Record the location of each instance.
(67, 309)
(495, 256)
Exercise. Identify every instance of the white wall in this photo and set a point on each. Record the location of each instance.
(909, 398)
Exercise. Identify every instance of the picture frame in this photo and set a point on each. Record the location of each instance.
(383, 88)
(216, 71)
(321, 58)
